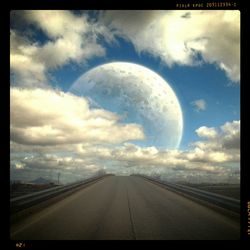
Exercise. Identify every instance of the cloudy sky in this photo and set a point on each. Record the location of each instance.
(53, 130)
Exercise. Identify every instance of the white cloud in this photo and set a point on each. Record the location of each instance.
(231, 138)
(228, 138)
(55, 162)
(49, 124)
(176, 37)
(19, 165)
(26, 70)
(203, 159)
(46, 117)
(57, 23)
(199, 105)
(208, 156)
(71, 39)
(231, 128)
(206, 132)
(199, 156)
(49, 165)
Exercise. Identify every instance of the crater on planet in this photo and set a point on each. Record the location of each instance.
(145, 96)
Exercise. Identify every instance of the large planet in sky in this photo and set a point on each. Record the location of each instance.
(137, 95)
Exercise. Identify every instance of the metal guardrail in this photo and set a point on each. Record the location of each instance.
(217, 199)
(28, 200)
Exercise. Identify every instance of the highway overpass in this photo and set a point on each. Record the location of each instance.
(126, 208)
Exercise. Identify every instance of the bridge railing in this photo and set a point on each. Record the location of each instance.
(217, 199)
(28, 200)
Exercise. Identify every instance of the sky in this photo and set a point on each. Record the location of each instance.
(53, 130)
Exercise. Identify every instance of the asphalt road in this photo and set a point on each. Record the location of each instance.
(126, 208)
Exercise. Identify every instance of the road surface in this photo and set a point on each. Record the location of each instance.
(126, 208)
